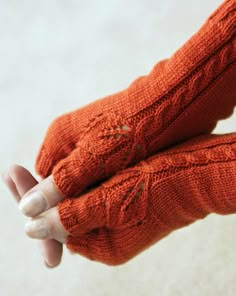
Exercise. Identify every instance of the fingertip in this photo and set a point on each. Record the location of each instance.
(10, 184)
(15, 168)
(4, 175)
(22, 179)
(51, 251)
(50, 266)
(7, 179)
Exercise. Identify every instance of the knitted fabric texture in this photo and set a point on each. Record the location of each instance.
(140, 205)
(181, 97)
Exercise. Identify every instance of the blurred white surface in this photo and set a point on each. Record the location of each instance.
(59, 55)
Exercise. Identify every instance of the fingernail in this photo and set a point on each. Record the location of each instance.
(37, 229)
(47, 264)
(33, 204)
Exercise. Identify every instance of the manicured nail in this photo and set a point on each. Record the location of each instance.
(37, 228)
(33, 204)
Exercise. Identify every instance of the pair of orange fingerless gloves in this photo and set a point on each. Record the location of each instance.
(136, 165)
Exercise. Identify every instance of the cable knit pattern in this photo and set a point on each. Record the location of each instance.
(136, 165)
(90, 144)
(140, 205)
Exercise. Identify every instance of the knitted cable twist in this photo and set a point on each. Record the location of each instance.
(137, 207)
(182, 97)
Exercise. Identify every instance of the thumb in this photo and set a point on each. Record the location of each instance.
(40, 198)
(20, 181)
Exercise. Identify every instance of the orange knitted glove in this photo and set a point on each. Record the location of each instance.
(140, 205)
(182, 97)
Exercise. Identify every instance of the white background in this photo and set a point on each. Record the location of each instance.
(56, 56)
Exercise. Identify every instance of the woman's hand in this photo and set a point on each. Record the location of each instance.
(20, 182)
(137, 207)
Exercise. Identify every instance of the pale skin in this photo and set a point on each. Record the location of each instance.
(49, 231)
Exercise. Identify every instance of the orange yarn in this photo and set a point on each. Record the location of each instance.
(182, 97)
(140, 205)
